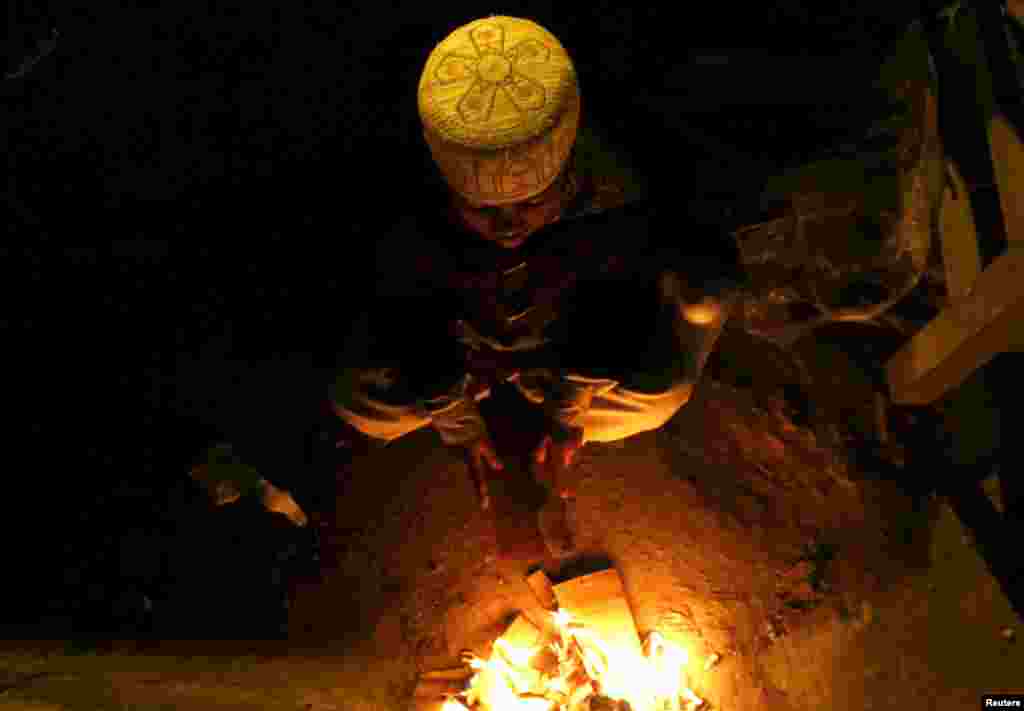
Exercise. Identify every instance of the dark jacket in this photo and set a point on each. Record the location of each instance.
(591, 279)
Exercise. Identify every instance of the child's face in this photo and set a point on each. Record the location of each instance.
(510, 225)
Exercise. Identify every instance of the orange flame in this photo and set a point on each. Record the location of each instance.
(649, 682)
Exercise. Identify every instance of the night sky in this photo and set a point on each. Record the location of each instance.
(191, 196)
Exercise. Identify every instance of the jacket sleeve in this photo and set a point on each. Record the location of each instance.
(458, 421)
(656, 348)
(400, 361)
(696, 292)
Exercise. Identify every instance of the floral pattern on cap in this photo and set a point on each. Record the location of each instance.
(495, 69)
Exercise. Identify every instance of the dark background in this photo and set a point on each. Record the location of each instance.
(192, 194)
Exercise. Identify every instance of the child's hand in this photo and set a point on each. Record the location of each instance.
(553, 457)
(481, 458)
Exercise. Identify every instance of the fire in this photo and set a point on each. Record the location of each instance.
(584, 672)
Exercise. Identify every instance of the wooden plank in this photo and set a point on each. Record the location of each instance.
(599, 602)
(960, 256)
(452, 674)
(437, 688)
(1008, 160)
(962, 337)
(543, 590)
(522, 633)
(522, 636)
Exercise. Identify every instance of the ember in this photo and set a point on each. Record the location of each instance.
(581, 673)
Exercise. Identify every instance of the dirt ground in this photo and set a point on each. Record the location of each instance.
(744, 527)
(735, 529)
